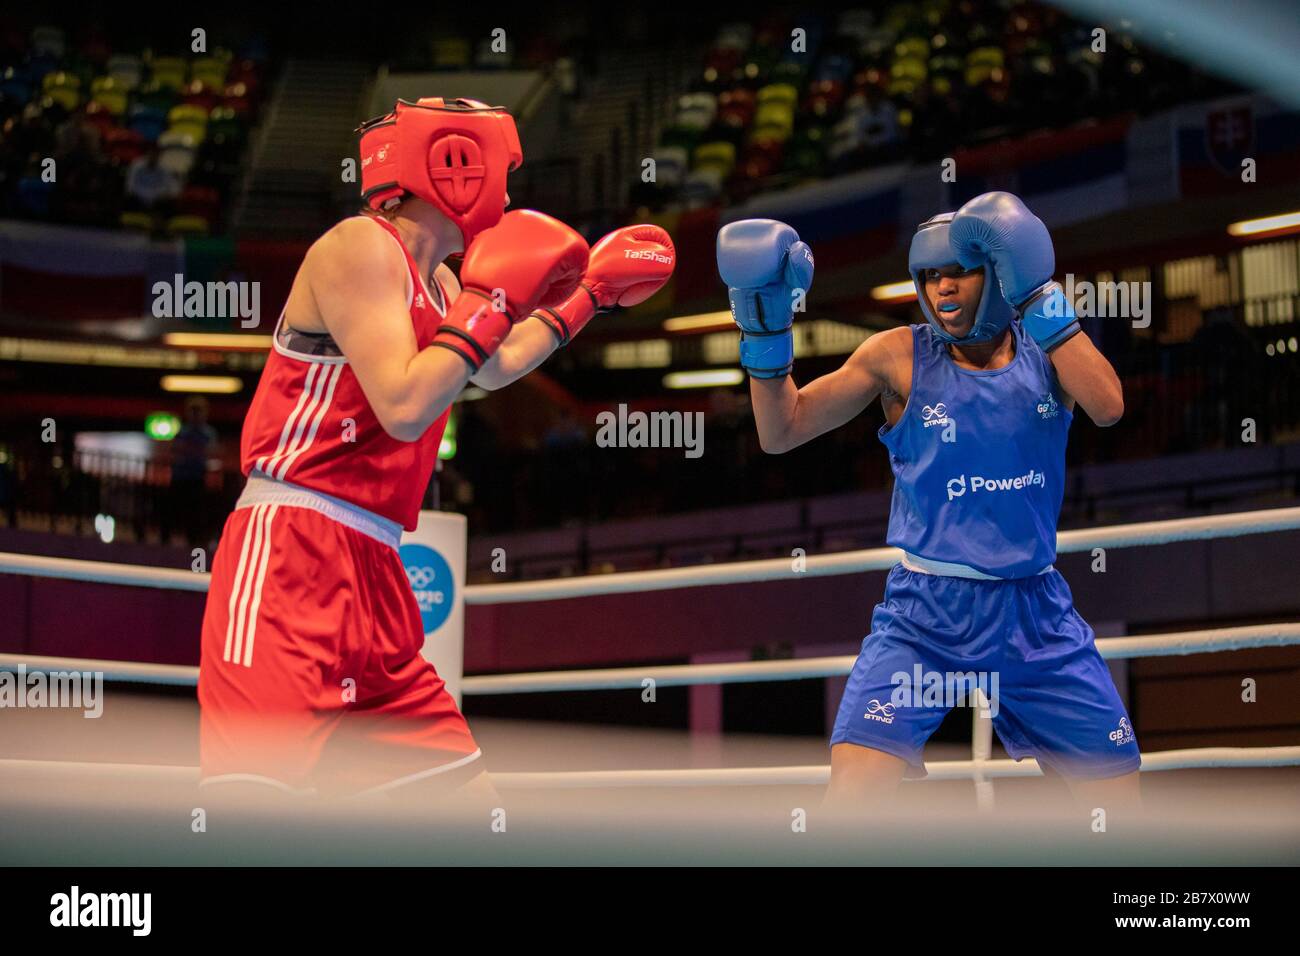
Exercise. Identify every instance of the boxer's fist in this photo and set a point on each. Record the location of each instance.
(997, 229)
(626, 267)
(766, 268)
(526, 258)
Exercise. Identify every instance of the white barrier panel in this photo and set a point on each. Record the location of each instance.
(434, 555)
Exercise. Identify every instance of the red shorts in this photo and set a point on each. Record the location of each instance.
(311, 675)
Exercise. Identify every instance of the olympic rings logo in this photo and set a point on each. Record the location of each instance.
(432, 582)
(421, 577)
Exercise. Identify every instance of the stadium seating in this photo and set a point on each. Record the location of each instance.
(96, 111)
(859, 90)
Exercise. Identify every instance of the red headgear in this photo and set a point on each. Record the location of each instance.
(453, 154)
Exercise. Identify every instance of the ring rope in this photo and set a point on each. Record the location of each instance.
(980, 770)
(873, 559)
(812, 775)
(682, 675)
(739, 572)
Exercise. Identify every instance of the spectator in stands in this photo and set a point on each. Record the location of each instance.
(455, 491)
(728, 423)
(565, 432)
(90, 194)
(565, 471)
(938, 120)
(191, 449)
(149, 185)
(879, 121)
(482, 462)
(8, 500)
(1231, 372)
(75, 140)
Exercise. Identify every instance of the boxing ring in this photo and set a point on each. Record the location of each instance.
(981, 769)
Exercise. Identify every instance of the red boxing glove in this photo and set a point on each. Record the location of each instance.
(627, 267)
(526, 258)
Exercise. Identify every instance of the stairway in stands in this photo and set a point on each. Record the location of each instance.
(293, 188)
(616, 122)
(294, 179)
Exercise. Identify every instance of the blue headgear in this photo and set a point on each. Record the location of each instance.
(930, 250)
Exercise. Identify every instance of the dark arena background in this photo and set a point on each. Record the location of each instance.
(657, 633)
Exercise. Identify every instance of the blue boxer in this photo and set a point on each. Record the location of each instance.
(976, 433)
(978, 457)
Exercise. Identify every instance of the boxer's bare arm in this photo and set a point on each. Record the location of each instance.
(788, 416)
(357, 277)
(529, 344)
(1086, 377)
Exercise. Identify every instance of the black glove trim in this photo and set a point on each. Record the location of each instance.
(1070, 331)
(559, 328)
(1040, 292)
(452, 348)
(769, 372)
(483, 354)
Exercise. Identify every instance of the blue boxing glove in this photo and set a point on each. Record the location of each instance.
(996, 229)
(764, 266)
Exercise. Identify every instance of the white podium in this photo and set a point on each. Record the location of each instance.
(434, 556)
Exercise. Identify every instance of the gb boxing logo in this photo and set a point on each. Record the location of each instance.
(457, 171)
(1124, 735)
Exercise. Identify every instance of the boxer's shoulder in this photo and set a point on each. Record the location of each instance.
(352, 248)
(884, 352)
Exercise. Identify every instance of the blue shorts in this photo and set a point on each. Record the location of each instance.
(1020, 640)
